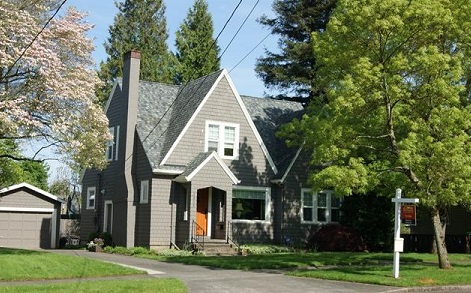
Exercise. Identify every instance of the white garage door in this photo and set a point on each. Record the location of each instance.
(25, 230)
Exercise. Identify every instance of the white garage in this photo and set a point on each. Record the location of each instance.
(29, 217)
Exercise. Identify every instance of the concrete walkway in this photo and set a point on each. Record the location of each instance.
(201, 279)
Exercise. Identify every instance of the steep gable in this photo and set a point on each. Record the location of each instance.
(268, 115)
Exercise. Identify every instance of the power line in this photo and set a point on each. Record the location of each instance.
(181, 90)
(240, 27)
(35, 38)
(250, 52)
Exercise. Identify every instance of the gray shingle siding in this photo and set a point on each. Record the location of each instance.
(23, 198)
(162, 113)
(291, 219)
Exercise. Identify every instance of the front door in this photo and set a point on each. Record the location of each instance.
(202, 212)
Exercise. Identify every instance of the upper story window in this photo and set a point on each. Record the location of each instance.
(222, 138)
(320, 207)
(91, 193)
(144, 194)
(112, 145)
(251, 203)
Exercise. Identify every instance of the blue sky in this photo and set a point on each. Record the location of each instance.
(102, 12)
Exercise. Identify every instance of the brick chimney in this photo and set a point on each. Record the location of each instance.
(131, 67)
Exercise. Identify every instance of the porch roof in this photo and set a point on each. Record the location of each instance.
(199, 162)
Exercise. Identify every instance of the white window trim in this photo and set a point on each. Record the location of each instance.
(222, 125)
(110, 145)
(105, 220)
(315, 207)
(144, 192)
(89, 189)
(116, 144)
(268, 204)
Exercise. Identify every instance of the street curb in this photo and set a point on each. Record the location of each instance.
(431, 289)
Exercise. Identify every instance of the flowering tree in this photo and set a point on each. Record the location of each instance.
(47, 82)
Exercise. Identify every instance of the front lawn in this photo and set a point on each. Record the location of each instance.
(115, 286)
(416, 269)
(19, 264)
(27, 265)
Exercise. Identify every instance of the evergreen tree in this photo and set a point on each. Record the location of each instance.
(139, 25)
(293, 70)
(197, 51)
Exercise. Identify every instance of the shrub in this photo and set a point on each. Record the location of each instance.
(265, 249)
(336, 238)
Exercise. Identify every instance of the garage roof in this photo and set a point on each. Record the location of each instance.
(34, 188)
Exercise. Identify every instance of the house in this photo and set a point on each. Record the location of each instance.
(29, 217)
(199, 160)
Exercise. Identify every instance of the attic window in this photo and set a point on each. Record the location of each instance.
(222, 138)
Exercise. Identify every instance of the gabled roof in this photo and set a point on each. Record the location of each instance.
(199, 162)
(166, 111)
(33, 188)
(268, 115)
(154, 117)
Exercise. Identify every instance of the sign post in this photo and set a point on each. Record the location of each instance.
(398, 241)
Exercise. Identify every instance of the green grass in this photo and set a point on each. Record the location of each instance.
(116, 286)
(373, 268)
(18, 264)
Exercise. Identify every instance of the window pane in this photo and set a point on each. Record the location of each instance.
(335, 202)
(322, 200)
(307, 214)
(307, 199)
(229, 134)
(228, 149)
(248, 204)
(335, 215)
(321, 215)
(248, 209)
(212, 146)
(213, 132)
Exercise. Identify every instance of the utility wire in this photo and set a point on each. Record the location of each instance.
(181, 90)
(250, 52)
(35, 38)
(240, 27)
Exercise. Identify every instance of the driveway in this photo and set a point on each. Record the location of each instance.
(200, 279)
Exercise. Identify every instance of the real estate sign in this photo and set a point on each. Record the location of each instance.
(408, 214)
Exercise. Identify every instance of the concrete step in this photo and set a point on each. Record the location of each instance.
(218, 247)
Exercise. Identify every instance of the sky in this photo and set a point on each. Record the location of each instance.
(101, 13)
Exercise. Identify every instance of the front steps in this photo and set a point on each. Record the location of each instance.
(217, 247)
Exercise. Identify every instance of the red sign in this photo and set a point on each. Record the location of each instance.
(408, 214)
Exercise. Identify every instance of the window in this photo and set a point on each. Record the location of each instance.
(112, 145)
(144, 194)
(321, 207)
(250, 203)
(91, 193)
(222, 138)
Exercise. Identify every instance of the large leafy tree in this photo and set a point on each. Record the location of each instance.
(139, 25)
(397, 74)
(47, 82)
(17, 171)
(197, 51)
(293, 69)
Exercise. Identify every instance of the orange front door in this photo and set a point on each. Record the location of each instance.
(202, 212)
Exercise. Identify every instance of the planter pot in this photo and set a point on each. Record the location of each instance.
(96, 249)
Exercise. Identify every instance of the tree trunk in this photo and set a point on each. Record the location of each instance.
(439, 235)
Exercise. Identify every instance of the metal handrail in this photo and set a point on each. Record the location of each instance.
(195, 237)
(230, 236)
